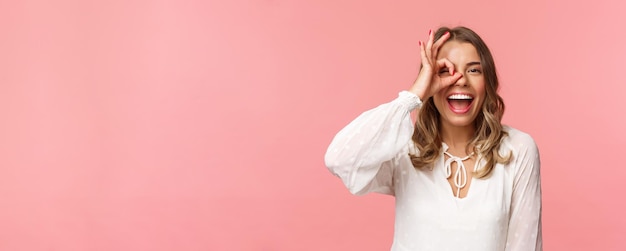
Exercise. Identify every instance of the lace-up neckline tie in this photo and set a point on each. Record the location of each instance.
(460, 174)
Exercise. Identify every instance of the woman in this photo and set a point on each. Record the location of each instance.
(461, 179)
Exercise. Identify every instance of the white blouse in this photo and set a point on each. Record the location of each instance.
(499, 213)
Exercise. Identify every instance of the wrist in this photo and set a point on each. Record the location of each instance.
(421, 94)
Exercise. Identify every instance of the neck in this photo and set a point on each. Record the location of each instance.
(457, 138)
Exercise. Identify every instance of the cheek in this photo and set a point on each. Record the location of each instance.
(479, 88)
(482, 95)
(440, 101)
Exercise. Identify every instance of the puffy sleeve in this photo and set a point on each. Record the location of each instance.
(525, 216)
(364, 153)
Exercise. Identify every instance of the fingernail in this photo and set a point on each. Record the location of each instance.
(430, 31)
(420, 42)
(447, 32)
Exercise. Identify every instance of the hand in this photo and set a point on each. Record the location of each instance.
(429, 81)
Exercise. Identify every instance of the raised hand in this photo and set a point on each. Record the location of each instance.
(429, 81)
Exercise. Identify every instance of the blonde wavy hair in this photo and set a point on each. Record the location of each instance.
(489, 132)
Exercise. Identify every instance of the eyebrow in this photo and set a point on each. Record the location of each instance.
(472, 63)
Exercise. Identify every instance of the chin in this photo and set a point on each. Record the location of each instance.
(459, 121)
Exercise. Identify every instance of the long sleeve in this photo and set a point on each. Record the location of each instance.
(363, 154)
(525, 217)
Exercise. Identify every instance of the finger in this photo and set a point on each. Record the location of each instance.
(423, 54)
(429, 45)
(444, 62)
(439, 43)
(449, 80)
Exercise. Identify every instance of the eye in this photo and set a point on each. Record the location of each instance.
(443, 71)
(475, 71)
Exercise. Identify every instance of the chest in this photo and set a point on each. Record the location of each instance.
(460, 173)
(428, 196)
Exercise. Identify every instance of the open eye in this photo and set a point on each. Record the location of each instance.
(475, 71)
(443, 71)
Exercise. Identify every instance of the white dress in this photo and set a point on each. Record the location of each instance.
(500, 213)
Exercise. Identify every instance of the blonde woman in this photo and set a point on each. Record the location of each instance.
(461, 179)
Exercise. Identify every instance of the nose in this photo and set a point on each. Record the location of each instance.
(461, 81)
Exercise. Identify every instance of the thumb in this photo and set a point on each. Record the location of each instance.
(449, 80)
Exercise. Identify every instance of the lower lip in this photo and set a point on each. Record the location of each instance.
(460, 111)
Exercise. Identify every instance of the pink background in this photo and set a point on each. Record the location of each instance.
(195, 125)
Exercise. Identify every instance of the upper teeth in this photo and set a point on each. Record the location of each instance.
(459, 96)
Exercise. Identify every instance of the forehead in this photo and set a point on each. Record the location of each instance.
(459, 52)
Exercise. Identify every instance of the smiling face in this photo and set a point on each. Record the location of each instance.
(460, 103)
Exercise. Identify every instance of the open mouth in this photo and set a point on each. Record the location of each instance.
(460, 103)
